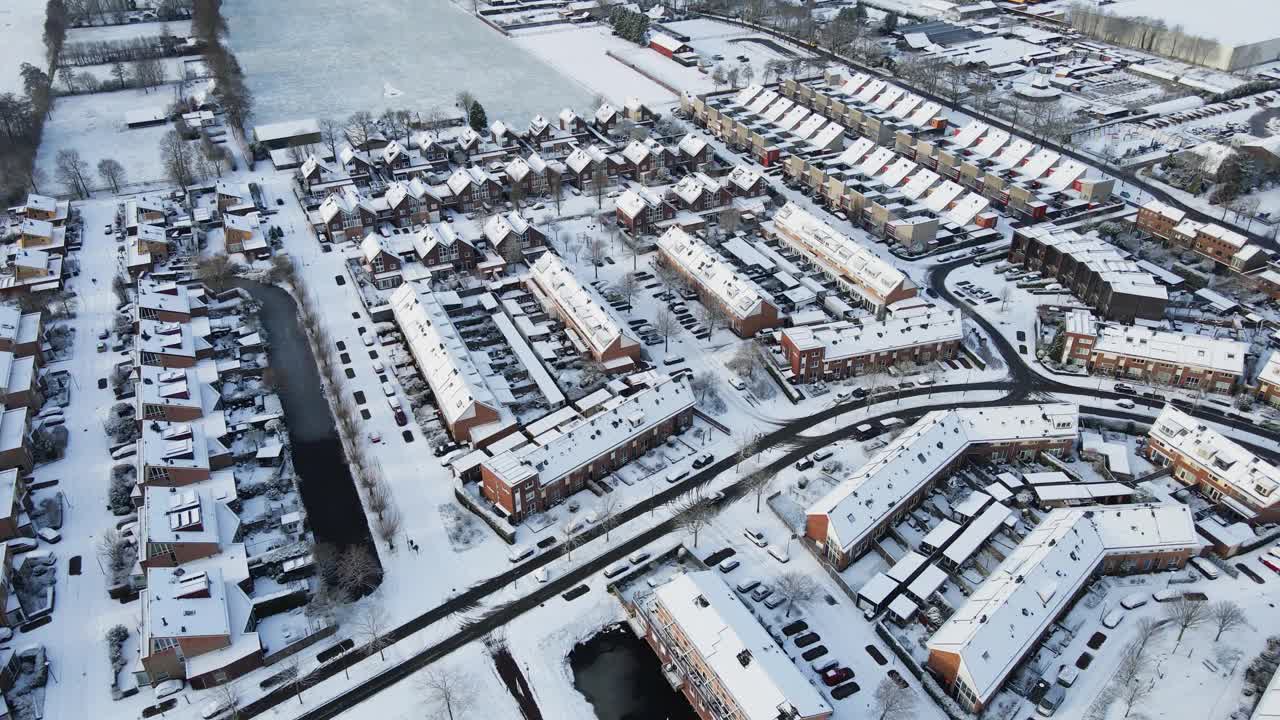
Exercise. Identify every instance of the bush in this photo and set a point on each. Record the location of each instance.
(119, 492)
(116, 638)
(48, 443)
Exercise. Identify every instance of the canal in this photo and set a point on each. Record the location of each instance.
(334, 511)
(622, 679)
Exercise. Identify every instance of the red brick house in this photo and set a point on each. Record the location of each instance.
(346, 215)
(472, 188)
(438, 246)
(639, 210)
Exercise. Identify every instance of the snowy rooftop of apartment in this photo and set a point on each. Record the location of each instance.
(1271, 370)
(196, 513)
(914, 458)
(589, 316)
(762, 680)
(567, 440)
(1231, 463)
(442, 357)
(168, 296)
(1181, 349)
(845, 338)
(853, 259)
(1007, 613)
(739, 295)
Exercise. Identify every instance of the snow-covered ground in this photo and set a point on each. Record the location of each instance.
(21, 40)
(177, 28)
(95, 126)
(328, 58)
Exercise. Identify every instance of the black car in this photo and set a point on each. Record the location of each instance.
(1125, 389)
(814, 652)
(703, 461)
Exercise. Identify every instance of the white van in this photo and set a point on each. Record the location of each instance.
(779, 553)
(736, 383)
(1205, 567)
(519, 552)
(822, 454)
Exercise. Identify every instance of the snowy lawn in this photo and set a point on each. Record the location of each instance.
(21, 40)
(177, 28)
(95, 126)
(580, 51)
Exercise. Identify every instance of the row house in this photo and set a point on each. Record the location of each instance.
(1215, 242)
(430, 149)
(168, 302)
(178, 454)
(439, 247)
(357, 164)
(539, 131)
(234, 198)
(606, 118)
(243, 234)
(852, 348)
(637, 112)
(693, 152)
(409, 203)
(43, 207)
(747, 309)
(175, 395)
(1222, 470)
(698, 193)
(383, 266)
(513, 238)
(718, 654)
(347, 215)
(21, 333)
(640, 210)
(170, 344)
(601, 433)
(1156, 356)
(183, 525)
(744, 181)
(590, 323)
(15, 510)
(572, 123)
(42, 235)
(316, 176)
(1094, 271)
(1007, 617)
(1269, 381)
(584, 164)
(472, 188)
(846, 522)
(502, 135)
(530, 173)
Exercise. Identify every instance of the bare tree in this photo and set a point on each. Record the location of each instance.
(703, 385)
(758, 483)
(1131, 676)
(556, 188)
(370, 626)
(747, 450)
(331, 135)
(627, 286)
(361, 127)
(712, 316)
(111, 172)
(1227, 615)
(730, 219)
(70, 171)
(893, 701)
(448, 692)
(665, 324)
(597, 251)
(1148, 628)
(227, 696)
(607, 512)
(599, 181)
(693, 513)
(388, 524)
(217, 271)
(1187, 615)
(357, 571)
(796, 588)
(178, 158)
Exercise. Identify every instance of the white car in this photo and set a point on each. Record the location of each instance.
(1113, 619)
(367, 339)
(168, 687)
(388, 389)
(378, 367)
(1126, 404)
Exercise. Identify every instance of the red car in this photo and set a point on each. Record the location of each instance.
(835, 676)
(1273, 564)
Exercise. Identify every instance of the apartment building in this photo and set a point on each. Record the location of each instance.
(182, 525)
(594, 436)
(178, 454)
(849, 348)
(1094, 271)
(168, 302)
(725, 662)
(21, 333)
(1213, 241)
(1156, 356)
(1015, 608)
(746, 307)
(1223, 471)
(592, 326)
(858, 270)
(846, 521)
(173, 395)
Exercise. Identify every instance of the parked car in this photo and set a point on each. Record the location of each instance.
(835, 676)
(747, 586)
(845, 690)
(1136, 600)
(367, 339)
(729, 566)
(756, 537)
(774, 601)
(761, 593)
(704, 460)
(1113, 619)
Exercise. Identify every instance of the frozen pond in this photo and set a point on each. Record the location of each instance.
(330, 58)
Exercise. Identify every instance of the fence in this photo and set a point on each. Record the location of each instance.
(500, 526)
(300, 645)
(931, 686)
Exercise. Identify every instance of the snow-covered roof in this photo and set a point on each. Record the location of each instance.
(977, 532)
(737, 294)
(914, 458)
(666, 42)
(498, 128)
(1268, 707)
(756, 674)
(441, 355)
(1181, 349)
(691, 144)
(747, 94)
(1164, 209)
(877, 588)
(691, 187)
(1270, 372)
(517, 169)
(1010, 611)
(428, 237)
(1114, 267)
(633, 201)
(582, 158)
(635, 152)
(849, 338)
(848, 258)
(568, 117)
(606, 113)
(599, 327)
(963, 212)
(743, 177)
(500, 226)
(578, 438)
(43, 203)
(1227, 462)
(393, 151)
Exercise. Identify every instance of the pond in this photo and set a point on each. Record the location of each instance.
(622, 679)
(334, 511)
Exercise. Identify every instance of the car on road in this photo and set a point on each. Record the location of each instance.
(1126, 404)
(1125, 389)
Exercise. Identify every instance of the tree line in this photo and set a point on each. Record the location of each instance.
(22, 115)
(1143, 33)
(232, 95)
(87, 13)
(630, 25)
(101, 52)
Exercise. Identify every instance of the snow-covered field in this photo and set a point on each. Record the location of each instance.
(95, 125)
(177, 28)
(318, 58)
(21, 40)
(579, 51)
